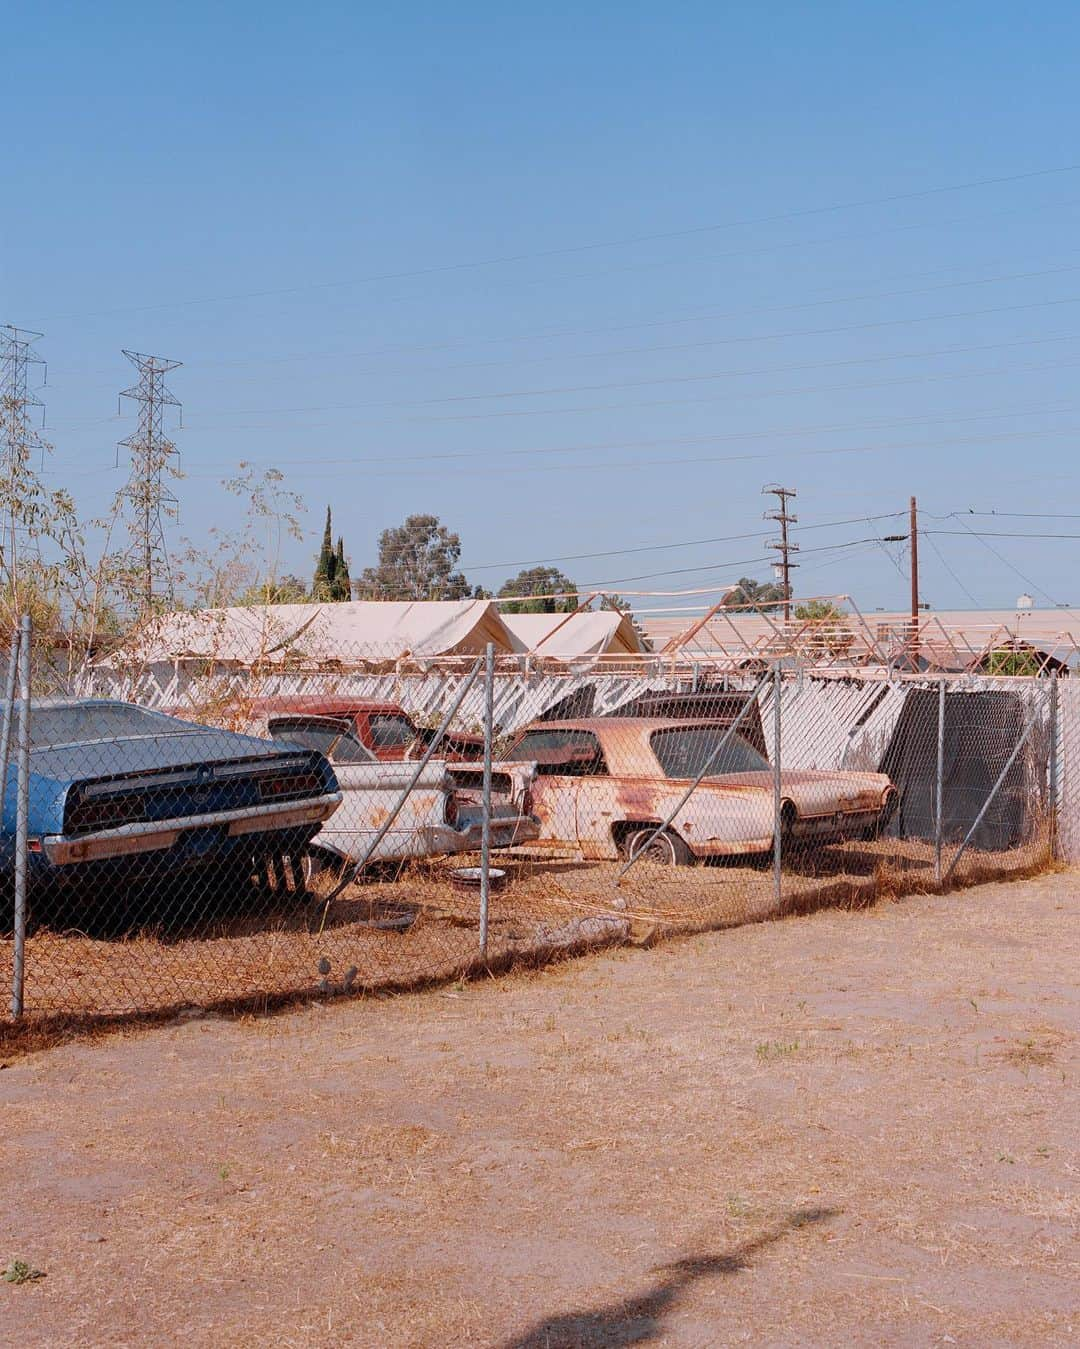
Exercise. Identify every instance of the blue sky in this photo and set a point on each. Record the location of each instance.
(577, 279)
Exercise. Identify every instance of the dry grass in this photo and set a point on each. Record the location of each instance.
(553, 907)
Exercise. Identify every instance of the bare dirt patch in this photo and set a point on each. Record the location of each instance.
(414, 927)
(846, 1128)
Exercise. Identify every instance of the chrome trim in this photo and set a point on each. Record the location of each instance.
(153, 835)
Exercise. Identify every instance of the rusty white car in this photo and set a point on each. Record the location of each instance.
(603, 784)
(443, 813)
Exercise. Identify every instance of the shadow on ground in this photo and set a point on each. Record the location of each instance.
(637, 1320)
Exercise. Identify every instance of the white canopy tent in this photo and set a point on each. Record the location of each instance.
(360, 633)
(573, 638)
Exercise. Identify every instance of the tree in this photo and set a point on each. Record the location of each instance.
(331, 583)
(538, 584)
(827, 632)
(286, 590)
(764, 595)
(241, 566)
(417, 561)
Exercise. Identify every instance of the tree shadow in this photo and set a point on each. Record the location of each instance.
(637, 1320)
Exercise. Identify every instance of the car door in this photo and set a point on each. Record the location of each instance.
(596, 799)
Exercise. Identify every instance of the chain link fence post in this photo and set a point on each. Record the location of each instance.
(778, 809)
(485, 836)
(1052, 771)
(939, 791)
(22, 818)
(9, 704)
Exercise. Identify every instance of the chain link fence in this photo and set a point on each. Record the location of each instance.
(239, 838)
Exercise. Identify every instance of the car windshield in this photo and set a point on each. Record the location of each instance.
(686, 751)
(73, 724)
(391, 731)
(330, 738)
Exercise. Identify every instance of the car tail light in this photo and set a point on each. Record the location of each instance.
(294, 784)
(106, 812)
(451, 812)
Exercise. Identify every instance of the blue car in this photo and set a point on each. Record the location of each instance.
(120, 793)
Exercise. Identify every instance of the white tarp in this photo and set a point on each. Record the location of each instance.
(358, 632)
(573, 637)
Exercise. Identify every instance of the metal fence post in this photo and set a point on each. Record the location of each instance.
(777, 805)
(9, 704)
(485, 837)
(940, 780)
(22, 818)
(1052, 776)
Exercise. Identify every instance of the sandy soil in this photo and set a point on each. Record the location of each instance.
(846, 1128)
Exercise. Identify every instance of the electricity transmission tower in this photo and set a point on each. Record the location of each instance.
(783, 545)
(18, 439)
(147, 500)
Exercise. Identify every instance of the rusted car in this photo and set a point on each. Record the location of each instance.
(385, 729)
(603, 784)
(442, 814)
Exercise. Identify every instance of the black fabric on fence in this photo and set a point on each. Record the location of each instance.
(981, 731)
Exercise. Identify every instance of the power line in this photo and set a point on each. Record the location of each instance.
(685, 543)
(941, 558)
(714, 566)
(663, 379)
(627, 241)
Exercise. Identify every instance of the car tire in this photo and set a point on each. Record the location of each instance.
(667, 849)
(888, 810)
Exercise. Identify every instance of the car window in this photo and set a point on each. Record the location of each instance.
(560, 753)
(391, 730)
(69, 725)
(686, 751)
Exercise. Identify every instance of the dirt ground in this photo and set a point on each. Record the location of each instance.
(103, 957)
(850, 1128)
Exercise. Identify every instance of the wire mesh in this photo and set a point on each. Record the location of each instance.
(204, 851)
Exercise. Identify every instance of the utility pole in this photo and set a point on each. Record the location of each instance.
(783, 545)
(18, 439)
(148, 501)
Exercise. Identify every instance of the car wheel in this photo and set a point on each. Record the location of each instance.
(884, 819)
(665, 849)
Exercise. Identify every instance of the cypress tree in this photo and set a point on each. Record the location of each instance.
(323, 581)
(342, 581)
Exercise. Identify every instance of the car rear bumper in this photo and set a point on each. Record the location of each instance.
(155, 835)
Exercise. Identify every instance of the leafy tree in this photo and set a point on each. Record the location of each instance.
(1012, 661)
(538, 584)
(766, 596)
(828, 632)
(287, 590)
(417, 561)
(331, 581)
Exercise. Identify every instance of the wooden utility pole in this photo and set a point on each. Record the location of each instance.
(783, 545)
